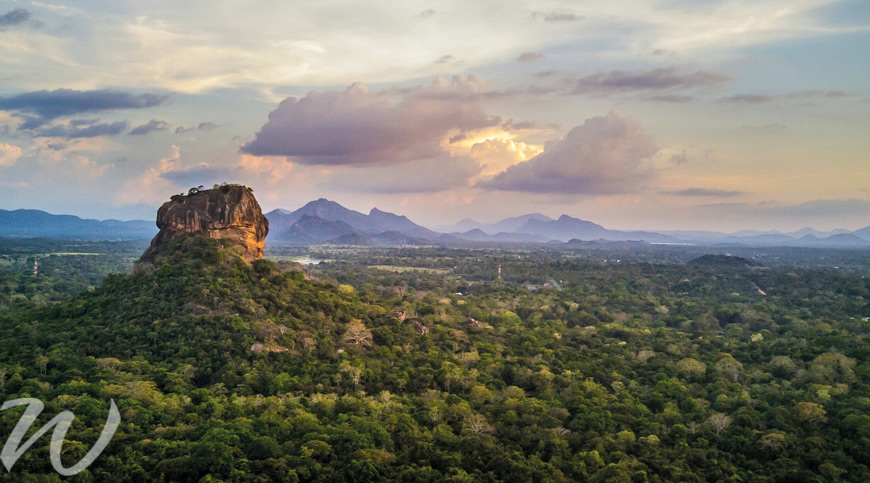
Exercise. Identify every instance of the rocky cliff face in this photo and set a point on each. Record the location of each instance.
(226, 212)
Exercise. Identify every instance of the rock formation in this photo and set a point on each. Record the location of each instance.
(225, 212)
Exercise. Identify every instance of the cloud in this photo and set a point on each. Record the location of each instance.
(14, 17)
(755, 99)
(190, 47)
(40, 107)
(665, 78)
(530, 56)
(818, 93)
(606, 155)
(679, 158)
(361, 126)
(419, 176)
(671, 98)
(704, 192)
(151, 126)
(9, 153)
(447, 59)
(557, 16)
(201, 174)
(79, 128)
(151, 186)
(203, 126)
(746, 99)
(496, 155)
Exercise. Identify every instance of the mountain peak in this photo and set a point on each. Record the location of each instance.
(290, 227)
(225, 212)
(322, 202)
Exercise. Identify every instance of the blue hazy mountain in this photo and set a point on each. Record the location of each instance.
(36, 223)
(569, 228)
(325, 221)
(508, 225)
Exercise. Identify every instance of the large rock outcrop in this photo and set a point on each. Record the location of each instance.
(226, 212)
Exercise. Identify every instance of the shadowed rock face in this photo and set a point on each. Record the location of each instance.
(225, 212)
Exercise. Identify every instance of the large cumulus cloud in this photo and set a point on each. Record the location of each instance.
(606, 155)
(360, 126)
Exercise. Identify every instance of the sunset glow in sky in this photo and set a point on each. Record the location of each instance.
(678, 114)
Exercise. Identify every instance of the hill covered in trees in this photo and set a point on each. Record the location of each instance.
(563, 369)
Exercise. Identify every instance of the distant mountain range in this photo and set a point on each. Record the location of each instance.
(39, 224)
(327, 222)
(540, 228)
(323, 221)
(504, 226)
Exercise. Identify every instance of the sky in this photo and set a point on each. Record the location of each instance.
(657, 114)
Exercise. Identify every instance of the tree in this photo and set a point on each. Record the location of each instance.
(810, 412)
(357, 334)
(719, 422)
(477, 423)
(691, 367)
(772, 441)
(729, 366)
(42, 362)
(351, 372)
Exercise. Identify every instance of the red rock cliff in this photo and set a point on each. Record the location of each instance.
(225, 212)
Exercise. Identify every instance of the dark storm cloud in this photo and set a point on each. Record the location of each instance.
(14, 17)
(618, 81)
(39, 107)
(361, 126)
(704, 192)
(151, 126)
(605, 155)
(83, 129)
